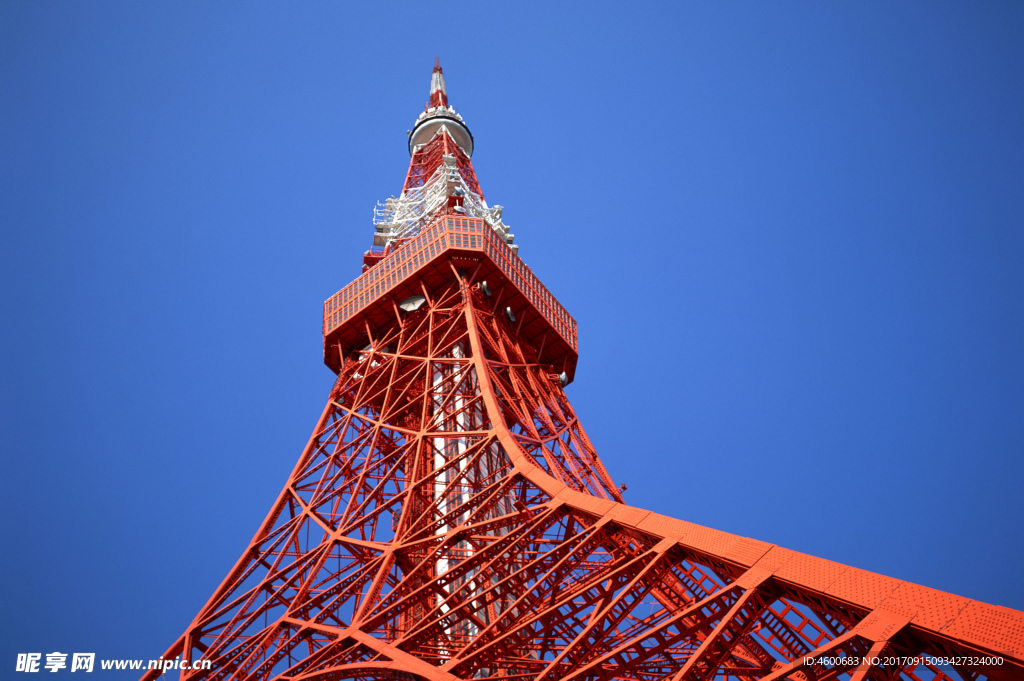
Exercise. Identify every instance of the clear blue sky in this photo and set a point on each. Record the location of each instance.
(791, 234)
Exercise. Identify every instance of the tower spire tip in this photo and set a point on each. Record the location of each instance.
(438, 93)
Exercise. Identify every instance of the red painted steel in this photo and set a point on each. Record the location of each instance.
(422, 261)
(450, 519)
(429, 158)
(438, 97)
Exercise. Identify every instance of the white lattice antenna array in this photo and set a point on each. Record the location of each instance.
(404, 216)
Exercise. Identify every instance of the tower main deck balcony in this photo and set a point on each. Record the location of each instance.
(432, 258)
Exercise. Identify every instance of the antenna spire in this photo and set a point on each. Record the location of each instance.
(438, 94)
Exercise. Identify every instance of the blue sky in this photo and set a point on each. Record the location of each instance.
(791, 235)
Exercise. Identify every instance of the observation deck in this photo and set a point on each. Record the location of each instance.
(431, 258)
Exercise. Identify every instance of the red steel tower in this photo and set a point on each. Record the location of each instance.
(449, 519)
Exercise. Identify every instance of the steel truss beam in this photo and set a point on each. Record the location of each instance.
(450, 519)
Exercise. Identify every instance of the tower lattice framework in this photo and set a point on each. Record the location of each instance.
(449, 519)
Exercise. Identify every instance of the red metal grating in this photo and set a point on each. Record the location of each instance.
(448, 233)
